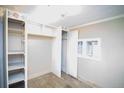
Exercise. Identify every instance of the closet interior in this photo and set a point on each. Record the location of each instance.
(64, 52)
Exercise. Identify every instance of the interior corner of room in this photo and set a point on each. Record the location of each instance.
(61, 46)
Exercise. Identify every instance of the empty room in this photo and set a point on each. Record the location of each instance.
(61, 46)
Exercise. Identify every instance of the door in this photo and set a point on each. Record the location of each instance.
(72, 53)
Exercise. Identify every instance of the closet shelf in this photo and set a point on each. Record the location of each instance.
(15, 66)
(17, 77)
(40, 34)
(14, 20)
(14, 53)
(13, 30)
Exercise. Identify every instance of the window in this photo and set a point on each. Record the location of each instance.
(89, 48)
(80, 48)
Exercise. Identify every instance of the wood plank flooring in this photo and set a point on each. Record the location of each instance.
(52, 81)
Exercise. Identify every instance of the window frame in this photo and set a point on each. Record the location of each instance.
(84, 49)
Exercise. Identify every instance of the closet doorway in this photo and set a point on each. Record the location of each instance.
(39, 55)
(64, 52)
(69, 53)
(43, 50)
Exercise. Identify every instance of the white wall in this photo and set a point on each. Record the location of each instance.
(109, 72)
(56, 52)
(39, 56)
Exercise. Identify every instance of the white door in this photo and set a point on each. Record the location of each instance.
(72, 45)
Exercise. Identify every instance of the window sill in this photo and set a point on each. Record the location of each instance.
(89, 58)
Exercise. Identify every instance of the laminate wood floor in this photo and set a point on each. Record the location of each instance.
(52, 81)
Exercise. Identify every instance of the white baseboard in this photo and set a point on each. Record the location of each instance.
(88, 82)
(37, 75)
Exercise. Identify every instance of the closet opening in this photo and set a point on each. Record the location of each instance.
(64, 52)
(39, 56)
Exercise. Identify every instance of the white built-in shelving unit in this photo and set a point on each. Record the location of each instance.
(15, 43)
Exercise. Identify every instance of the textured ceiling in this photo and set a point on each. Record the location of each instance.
(88, 14)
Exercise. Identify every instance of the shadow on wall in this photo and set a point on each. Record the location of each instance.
(1, 54)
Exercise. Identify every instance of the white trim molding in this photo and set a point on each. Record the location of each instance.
(98, 21)
(35, 75)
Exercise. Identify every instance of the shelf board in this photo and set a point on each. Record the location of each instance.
(13, 30)
(14, 53)
(10, 19)
(50, 26)
(15, 66)
(18, 85)
(38, 34)
(17, 77)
